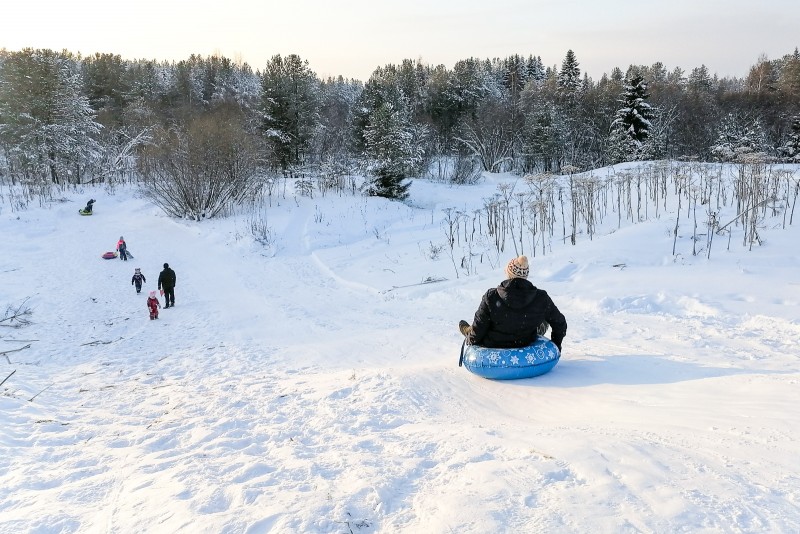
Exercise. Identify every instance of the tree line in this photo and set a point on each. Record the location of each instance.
(207, 132)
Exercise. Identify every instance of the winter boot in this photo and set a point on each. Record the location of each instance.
(464, 327)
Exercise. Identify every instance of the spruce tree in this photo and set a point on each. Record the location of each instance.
(569, 77)
(630, 129)
(290, 102)
(391, 150)
(737, 137)
(791, 149)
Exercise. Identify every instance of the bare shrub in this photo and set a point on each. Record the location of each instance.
(17, 316)
(198, 169)
(466, 170)
(259, 228)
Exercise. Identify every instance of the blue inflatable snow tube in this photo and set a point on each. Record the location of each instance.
(510, 364)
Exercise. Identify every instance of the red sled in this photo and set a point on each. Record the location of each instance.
(109, 255)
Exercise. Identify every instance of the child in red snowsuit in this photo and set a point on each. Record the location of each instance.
(153, 305)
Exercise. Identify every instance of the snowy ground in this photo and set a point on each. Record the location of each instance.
(295, 389)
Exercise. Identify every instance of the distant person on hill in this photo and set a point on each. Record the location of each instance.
(514, 313)
(122, 248)
(153, 305)
(166, 283)
(88, 208)
(137, 279)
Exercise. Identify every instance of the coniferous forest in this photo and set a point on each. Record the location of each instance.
(206, 133)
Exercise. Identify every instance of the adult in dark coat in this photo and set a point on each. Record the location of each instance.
(166, 283)
(515, 313)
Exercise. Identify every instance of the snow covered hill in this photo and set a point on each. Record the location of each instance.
(312, 385)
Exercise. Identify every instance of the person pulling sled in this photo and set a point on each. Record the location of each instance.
(122, 248)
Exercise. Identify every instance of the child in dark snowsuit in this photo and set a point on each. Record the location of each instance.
(153, 305)
(137, 279)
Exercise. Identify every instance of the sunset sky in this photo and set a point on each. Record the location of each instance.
(352, 38)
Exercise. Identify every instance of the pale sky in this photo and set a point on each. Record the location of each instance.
(352, 38)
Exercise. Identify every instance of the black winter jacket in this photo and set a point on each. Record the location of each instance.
(166, 279)
(509, 315)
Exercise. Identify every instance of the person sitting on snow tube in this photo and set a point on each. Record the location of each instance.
(88, 209)
(515, 313)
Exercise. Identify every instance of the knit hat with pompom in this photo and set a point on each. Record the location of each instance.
(518, 267)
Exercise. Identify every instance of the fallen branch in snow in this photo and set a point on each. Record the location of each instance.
(4, 353)
(745, 212)
(6, 378)
(20, 340)
(110, 322)
(39, 421)
(98, 342)
(48, 387)
(428, 280)
(542, 454)
(16, 350)
(359, 524)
